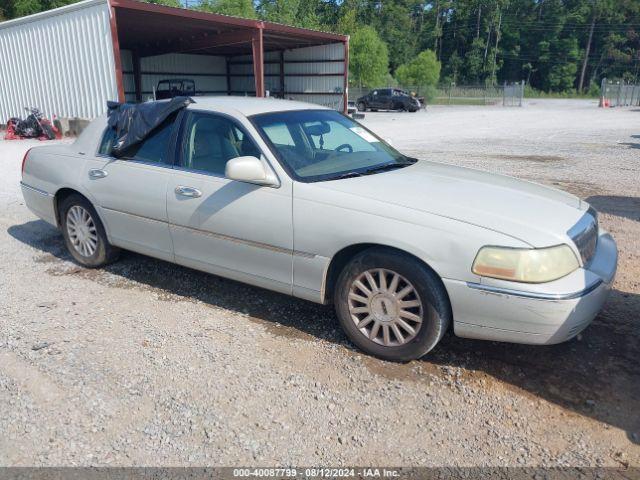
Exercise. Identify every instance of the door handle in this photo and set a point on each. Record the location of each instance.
(96, 173)
(188, 191)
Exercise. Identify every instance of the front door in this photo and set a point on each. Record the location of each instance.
(234, 229)
(385, 100)
(375, 99)
(130, 192)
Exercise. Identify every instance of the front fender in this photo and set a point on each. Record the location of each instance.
(322, 230)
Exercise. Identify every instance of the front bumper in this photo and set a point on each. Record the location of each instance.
(536, 314)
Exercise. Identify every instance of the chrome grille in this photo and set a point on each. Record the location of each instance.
(585, 236)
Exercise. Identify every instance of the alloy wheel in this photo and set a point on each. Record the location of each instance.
(385, 307)
(82, 231)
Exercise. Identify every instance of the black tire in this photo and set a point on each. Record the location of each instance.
(361, 106)
(104, 252)
(428, 287)
(48, 131)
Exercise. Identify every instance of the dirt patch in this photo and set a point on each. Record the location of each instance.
(531, 158)
(577, 188)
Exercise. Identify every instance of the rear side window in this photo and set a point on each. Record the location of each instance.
(154, 149)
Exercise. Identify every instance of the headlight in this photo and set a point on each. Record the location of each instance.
(525, 264)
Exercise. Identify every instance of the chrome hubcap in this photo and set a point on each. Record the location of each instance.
(82, 231)
(385, 307)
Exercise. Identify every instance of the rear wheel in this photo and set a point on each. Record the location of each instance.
(84, 234)
(362, 107)
(391, 305)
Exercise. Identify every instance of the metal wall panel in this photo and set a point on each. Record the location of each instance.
(71, 72)
(311, 74)
(331, 101)
(333, 51)
(208, 72)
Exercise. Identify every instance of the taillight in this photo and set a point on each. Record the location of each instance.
(24, 160)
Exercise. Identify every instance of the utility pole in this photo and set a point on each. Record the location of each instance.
(587, 49)
(495, 52)
(435, 41)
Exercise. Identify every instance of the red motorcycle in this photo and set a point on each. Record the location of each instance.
(34, 126)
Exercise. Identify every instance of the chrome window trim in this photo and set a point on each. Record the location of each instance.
(535, 295)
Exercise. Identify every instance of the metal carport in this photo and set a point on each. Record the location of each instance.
(288, 62)
(99, 50)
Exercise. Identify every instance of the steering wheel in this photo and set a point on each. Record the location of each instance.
(344, 146)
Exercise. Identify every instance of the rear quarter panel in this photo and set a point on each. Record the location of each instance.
(54, 167)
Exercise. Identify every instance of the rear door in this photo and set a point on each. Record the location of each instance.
(130, 192)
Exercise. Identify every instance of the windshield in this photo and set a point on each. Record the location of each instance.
(319, 145)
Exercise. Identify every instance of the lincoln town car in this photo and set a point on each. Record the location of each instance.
(305, 201)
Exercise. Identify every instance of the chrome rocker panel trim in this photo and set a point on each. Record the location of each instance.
(37, 190)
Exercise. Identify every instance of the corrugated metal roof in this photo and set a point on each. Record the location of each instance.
(50, 13)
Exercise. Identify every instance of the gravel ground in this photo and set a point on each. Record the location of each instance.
(146, 363)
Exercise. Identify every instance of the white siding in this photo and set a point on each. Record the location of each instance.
(60, 61)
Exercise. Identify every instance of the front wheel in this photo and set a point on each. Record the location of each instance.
(361, 106)
(391, 306)
(84, 234)
(48, 131)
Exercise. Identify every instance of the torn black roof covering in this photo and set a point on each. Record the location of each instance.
(134, 122)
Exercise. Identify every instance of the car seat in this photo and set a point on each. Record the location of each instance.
(211, 146)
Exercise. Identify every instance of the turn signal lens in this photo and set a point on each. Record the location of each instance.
(525, 265)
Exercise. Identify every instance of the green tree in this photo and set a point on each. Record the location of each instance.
(236, 8)
(423, 71)
(27, 7)
(300, 13)
(168, 3)
(368, 58)
(348, 20)
(473, 65)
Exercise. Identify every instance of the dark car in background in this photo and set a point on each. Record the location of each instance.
(388, 99)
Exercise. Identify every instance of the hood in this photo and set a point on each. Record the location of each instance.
(532, 213)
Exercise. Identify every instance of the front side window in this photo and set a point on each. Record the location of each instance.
(210, 141)
(317, 145)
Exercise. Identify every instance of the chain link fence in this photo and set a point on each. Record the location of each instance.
(507, 95)
(619, 94)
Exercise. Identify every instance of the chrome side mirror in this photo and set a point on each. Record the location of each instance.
(250, 170)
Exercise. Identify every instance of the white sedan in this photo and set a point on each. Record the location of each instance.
(303, 200)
